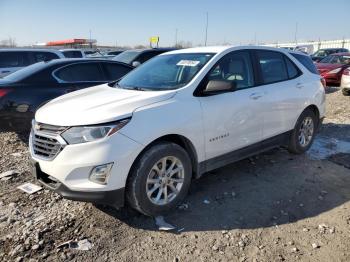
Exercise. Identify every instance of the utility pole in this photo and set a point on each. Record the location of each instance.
(90, 38)
(255, 38)
(295, 35)
(206, 32)
(175, 37)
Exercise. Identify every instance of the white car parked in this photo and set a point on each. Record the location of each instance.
(13, 59)
(179, 115)
(345, 82)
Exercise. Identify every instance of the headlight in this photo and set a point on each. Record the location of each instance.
(334, 71)
(83, 134)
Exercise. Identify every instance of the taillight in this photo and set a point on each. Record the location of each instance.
(4, 92)
(346, 72)
(323, 81)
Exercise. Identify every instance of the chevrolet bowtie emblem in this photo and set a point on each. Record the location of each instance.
(37, 126)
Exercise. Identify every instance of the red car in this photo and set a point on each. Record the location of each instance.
(331, 67)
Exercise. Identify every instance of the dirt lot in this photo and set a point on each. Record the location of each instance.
(272, 207)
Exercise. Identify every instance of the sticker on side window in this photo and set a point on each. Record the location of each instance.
(188, 63)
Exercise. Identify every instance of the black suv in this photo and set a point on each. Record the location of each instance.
(136, 57)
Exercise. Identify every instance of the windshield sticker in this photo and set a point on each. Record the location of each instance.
(188, 63)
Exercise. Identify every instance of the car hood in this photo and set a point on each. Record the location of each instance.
(95, 105)
(328, 66)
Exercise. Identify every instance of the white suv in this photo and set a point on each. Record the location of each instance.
(179, 115)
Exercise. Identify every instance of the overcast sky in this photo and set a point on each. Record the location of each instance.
(133, 22)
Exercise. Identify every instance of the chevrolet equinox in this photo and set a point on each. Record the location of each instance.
(142, 139)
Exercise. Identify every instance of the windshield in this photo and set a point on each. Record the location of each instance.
(25, 72)
(165, 72)
(321, 53)
(127, 56)
(337, 59)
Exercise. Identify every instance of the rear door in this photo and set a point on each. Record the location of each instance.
(11, 61)
(283, 87)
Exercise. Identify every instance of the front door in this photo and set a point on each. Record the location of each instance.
(233, 119)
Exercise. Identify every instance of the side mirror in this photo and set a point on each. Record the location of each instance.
(219, 86)
(136, 63)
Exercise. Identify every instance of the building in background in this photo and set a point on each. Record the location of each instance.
(71, 43)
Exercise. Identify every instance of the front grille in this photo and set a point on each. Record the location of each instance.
(50, 129)
(45, 147)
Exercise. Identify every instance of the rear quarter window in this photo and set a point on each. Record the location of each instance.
(13, 59)
(306, 62)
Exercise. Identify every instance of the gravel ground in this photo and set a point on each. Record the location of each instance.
(272, 207)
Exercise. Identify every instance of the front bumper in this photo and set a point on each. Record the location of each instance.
(114, 198)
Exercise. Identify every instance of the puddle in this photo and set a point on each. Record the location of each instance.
(324, 147)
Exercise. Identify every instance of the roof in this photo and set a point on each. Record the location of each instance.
(70, 49)
(165, 49)
(340, 54)
(29, 49)
(220, 49)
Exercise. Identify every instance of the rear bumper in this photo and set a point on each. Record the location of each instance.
(114, 198)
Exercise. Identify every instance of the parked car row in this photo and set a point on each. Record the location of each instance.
(331, 68)
(23, 91)
(142, 139)
(13, 59)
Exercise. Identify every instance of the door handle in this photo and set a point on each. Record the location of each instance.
(255, 96)
(299, 85)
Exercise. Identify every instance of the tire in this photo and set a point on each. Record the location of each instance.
(296, 145)
(149, 167)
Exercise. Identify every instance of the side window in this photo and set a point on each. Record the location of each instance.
(82, 72)
(272, 66)
(307, 62)
(43, 56)
(146, 56)
(13, 59)
(292, 70)
(235, 67)
(115, 71)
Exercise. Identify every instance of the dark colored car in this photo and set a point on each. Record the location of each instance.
(322, 53)
(22, 92)
(136, 57)
(116, 52)
(331, 67)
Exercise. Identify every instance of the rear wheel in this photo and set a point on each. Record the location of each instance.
(160, 179)
(304, 132)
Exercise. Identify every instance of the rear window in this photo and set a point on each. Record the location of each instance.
(115, 71)
(72, 54)
(307, 62)
(13, 59)
(43, 56)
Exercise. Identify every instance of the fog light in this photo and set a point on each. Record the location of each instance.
(100, 174)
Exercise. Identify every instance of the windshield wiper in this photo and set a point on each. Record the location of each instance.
(131, 88)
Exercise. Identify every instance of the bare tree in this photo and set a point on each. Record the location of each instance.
(184, 44)
(10, 42)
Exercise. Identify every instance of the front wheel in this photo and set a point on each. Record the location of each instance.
(304, 133)
(160, 179)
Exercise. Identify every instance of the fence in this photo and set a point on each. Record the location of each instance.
(315, 45)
